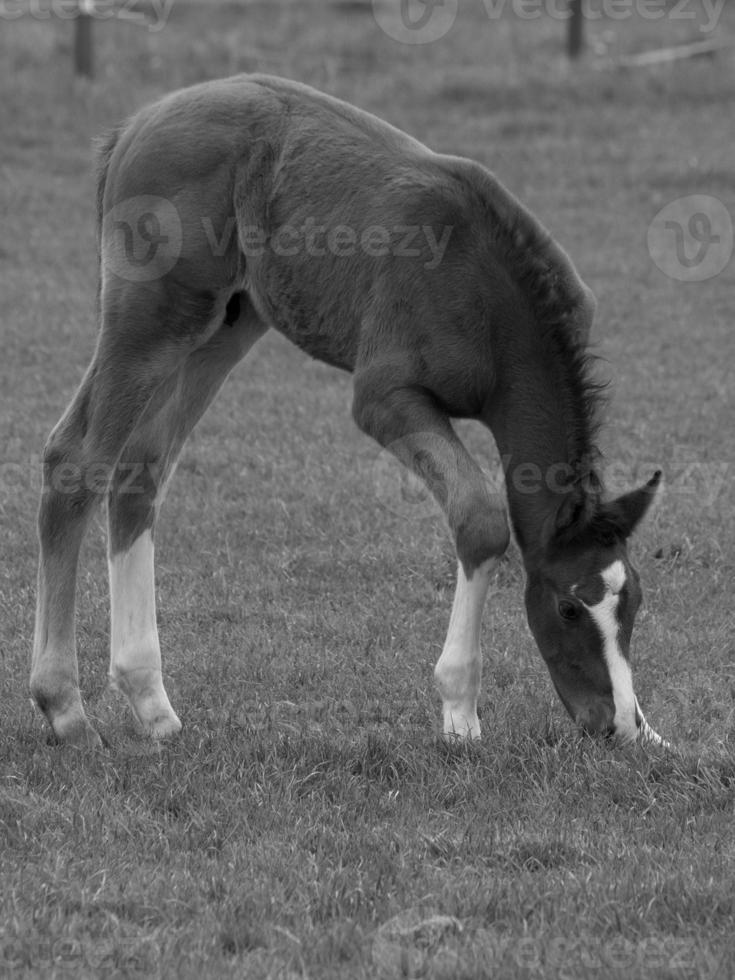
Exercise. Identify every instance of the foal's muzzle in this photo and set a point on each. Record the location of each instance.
(599, 720)
(596, 720)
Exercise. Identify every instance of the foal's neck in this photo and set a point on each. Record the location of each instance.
(541, 418)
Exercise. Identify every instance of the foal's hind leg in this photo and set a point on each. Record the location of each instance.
(406, 419)
(67, 504)
(135, 497)
(136, 352)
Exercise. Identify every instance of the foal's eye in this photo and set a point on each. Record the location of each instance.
(568, 610)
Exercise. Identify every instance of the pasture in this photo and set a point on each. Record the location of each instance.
(309, 822)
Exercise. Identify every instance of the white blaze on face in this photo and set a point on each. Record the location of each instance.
(604, 614)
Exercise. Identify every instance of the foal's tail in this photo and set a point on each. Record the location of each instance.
(104, 148)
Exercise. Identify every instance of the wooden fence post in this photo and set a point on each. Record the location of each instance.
(575, 35)
(83, 47)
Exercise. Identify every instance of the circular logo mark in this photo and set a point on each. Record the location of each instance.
(415, 21)
(401, 491)
(691, 238)
(400, 476)
(141, 238)
(411, 942)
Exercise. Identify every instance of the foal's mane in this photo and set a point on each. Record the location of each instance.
(580, 392)
(555, 295)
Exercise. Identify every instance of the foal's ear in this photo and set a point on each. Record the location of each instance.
(625, 513)
(573, 513)
(576, 510)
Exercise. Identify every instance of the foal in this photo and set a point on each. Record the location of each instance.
(255, 202)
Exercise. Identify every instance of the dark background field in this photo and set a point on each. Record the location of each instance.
(308, 822)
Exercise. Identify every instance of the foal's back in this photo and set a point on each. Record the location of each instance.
(339, 227)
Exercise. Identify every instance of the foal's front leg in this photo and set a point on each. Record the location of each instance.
(135, 652)
(458, 671)
(406, 420)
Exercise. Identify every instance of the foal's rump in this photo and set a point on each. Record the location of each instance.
(167, 185)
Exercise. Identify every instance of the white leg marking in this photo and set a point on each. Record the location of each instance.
(135, 653)
(604, 613)
(459, 669)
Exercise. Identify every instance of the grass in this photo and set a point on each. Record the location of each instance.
(308, 822)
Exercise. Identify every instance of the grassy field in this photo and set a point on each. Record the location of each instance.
(308, 822)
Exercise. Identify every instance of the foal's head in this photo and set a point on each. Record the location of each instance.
(582, 595)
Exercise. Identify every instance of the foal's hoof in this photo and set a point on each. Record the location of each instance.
(149, 702)
(64, 712)
(164, 725)
(155, 716)
(79, 734)
(461, 726)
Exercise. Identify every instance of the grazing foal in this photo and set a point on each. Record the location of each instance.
(255, 202)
